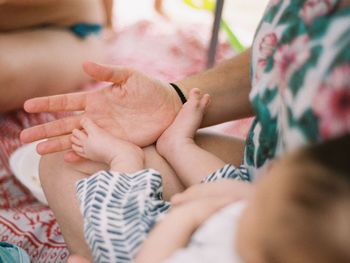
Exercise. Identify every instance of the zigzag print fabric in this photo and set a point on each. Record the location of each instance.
(228, 172)
(120, 209)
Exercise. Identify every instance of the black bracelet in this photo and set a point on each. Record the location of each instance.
(179, 92)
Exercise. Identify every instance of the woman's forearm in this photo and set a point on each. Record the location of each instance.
(228, 85)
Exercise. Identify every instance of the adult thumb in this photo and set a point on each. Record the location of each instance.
(100, 72)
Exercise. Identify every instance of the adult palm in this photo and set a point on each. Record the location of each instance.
(135, 108)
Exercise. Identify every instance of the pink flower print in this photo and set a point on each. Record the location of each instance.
(259, 69)
(288, 58)
(316, 8)
(332, 105)
(268, 45)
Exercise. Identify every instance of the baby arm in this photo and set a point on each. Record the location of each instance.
(190, 162)
(98, 145)
(175, 230)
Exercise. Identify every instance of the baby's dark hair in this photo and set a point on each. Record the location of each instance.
(315, 226)
(334, 155)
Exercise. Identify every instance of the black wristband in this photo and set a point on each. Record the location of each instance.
(179, 92)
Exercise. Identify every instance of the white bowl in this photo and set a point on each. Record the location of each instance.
(24, 164)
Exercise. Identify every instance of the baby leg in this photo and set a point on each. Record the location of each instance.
(98, 145)
(186, 123)
(177, 146)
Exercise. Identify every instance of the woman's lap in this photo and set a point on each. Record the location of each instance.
(59, 178)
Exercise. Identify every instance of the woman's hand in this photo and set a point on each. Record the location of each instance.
(223, 189)
(135, 108)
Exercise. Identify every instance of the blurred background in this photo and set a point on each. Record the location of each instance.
(242, 15)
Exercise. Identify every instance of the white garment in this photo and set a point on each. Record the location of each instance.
(215, 240)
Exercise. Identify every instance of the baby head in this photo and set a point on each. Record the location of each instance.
(300, 210)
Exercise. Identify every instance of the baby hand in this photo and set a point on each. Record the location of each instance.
(98, 145)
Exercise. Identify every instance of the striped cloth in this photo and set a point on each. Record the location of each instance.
(120, 209)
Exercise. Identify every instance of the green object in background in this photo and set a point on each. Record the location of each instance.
(201, 4)
(209, 5)
(232, 38)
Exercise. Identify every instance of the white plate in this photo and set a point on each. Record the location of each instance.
(24, 164)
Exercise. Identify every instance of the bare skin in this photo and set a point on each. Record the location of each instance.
(266, 217)
(59, 177)
(139, 108)
(178, 147)
(228, 86)
(96, 144)
(191, 163)
(21, 14)
(34, 60)
(20, 79)
(158, 6)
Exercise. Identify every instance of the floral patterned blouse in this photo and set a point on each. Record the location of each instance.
(300, 78)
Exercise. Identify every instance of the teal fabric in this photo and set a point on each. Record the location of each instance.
(84, 30)
(12, 254)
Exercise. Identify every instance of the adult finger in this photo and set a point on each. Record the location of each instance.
(56, 144)
(51, 129)
(115, 74)
(65, 102)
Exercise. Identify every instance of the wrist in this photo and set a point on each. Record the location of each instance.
(179, 93)
(178, 102)
(182, 86)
